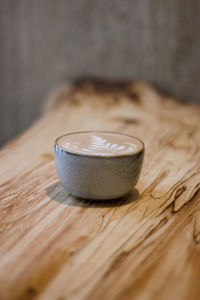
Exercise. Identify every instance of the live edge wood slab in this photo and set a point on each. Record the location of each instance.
(145, 246)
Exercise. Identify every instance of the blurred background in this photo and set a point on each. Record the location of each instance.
(45, 43)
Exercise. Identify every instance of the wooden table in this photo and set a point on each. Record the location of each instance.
(145, 246)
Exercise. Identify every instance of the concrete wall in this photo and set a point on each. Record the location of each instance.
(46, 42)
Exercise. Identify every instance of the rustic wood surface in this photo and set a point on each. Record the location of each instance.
(145, 246)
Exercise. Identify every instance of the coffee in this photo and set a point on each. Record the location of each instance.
(100, 144)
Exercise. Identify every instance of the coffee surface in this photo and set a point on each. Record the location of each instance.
(99, 143)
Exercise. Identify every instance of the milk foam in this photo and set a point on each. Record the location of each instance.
(100, 143)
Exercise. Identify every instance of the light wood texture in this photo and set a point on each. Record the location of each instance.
(146, 246)
(43, 43)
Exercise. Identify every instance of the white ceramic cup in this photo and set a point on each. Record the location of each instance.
(98, 176)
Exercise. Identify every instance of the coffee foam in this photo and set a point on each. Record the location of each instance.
(99, 144)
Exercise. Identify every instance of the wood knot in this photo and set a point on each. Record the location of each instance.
(127, 121)
(180, 191)
(31, 290)
(133, 96)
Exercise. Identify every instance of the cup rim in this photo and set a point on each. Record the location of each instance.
(99, 155)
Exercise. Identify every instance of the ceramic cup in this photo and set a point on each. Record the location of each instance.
(91, 173)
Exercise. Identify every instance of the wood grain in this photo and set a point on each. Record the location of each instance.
(145, 246)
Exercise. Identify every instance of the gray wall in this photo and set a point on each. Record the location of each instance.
(46, 42)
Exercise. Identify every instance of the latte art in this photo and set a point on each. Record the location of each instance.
(99, 143)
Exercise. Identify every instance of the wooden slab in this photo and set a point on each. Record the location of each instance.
(146, 246)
